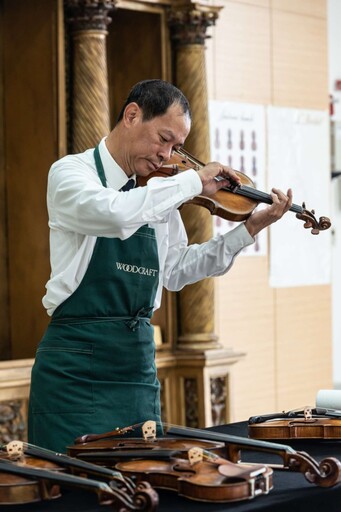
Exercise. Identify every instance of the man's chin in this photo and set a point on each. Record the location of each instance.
(148, 169)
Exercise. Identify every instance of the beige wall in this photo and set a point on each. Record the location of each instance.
(272, 52)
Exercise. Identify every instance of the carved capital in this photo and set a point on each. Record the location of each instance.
(89, 14)
(188, 22)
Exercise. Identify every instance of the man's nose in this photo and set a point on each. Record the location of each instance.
(165, 152)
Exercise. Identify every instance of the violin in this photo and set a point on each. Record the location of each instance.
(307, 423)
(28, 484)
(203, 476)
(142, 441)
(20, 488)
(29, 473)
(168, 463)
(234, 203)
(325, 473)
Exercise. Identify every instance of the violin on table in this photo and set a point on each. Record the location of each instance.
(194, 468)
(29, 474)
(305, 423)
(201, 475)
(113, 448)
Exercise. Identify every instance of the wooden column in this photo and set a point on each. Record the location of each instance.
(201, 371)
(90, 97)
(188, 23)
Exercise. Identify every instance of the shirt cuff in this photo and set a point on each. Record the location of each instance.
(239, 238)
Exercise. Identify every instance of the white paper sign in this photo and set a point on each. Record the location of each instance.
(237, 135)
(298, 157)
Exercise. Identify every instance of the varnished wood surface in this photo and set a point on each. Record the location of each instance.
(30, 123)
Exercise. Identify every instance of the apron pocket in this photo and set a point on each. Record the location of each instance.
(62, 377)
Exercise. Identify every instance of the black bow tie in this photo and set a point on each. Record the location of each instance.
(130, 184)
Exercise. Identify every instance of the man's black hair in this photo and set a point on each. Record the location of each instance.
(154, 97)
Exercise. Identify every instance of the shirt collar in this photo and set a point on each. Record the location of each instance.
(115, 175)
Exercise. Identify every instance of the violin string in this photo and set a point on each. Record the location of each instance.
(56, 476)
(257, 195)
(62, 457)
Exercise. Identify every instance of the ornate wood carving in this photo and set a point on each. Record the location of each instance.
(188, 23)
(89, 14)
(12, 422)
(218, 400)
(191, 402)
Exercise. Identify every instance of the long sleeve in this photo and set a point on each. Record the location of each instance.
(187, 264)
(78, 202)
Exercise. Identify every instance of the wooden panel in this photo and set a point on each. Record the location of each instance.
(299, 60)
(303, 344)
(31, 145)
(241, 54)
(316, 8)
(4, 326)
(245, 321)
(126, 66)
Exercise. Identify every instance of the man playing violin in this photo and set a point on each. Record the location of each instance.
(112, 251)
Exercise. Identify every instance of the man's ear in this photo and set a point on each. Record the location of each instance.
(132, 114)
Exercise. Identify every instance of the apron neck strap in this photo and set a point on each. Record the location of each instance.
(99, 167)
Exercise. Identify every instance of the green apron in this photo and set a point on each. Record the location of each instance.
(95, 366)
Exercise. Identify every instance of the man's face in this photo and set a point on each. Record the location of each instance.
(151, 143)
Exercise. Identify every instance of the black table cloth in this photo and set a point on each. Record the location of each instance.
(291, 492)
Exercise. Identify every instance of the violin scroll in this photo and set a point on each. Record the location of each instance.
(310, 220)
(326, 473)
(145, 499)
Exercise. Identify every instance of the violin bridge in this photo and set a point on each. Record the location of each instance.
(15, 450)
(308, 413)
(149, 430)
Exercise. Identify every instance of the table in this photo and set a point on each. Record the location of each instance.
(291, 492)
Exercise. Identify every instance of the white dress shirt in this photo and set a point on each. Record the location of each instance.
(80, 210)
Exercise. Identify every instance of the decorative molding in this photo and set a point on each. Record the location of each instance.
(89, 14)
(189, 21)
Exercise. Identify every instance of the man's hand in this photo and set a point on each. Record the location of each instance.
(209, 172)
(267, 216)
